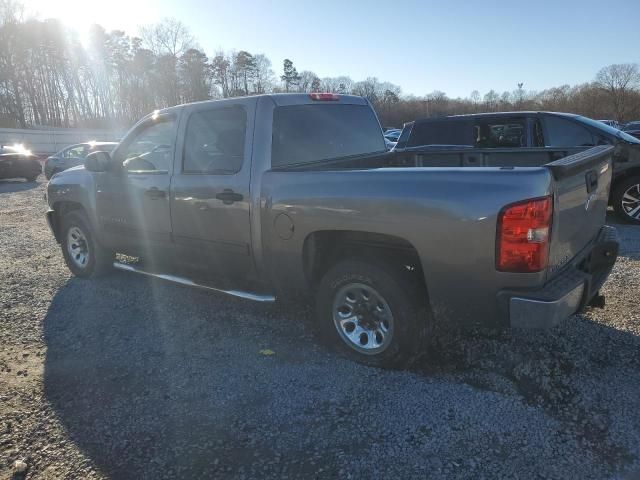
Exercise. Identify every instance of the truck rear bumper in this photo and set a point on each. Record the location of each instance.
(568, 292)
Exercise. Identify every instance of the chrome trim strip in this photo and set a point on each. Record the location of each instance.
(190, 283)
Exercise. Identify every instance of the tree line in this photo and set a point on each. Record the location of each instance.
(48, 77)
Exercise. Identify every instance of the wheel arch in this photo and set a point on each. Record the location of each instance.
(625, 175)
(324, 248)
(60, 209)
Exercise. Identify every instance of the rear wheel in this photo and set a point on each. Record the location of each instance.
(626, 200)
(84, 256)
(374, 314)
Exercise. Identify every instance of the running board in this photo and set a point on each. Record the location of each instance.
(190, 283)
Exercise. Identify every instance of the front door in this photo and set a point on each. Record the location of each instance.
(133, 201)
(210, 198)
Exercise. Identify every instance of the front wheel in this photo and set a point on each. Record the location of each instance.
(374, 314)
(626, 200)
(84, 256)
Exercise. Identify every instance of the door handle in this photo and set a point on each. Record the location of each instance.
(557, 155)
(155, 193)
(229, 196)
(591, 179)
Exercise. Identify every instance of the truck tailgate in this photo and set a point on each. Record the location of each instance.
(581, 191)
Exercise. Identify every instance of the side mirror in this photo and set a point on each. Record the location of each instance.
(97, 161)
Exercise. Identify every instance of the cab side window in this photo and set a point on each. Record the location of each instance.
(75, 152)
(565, 133)
(214, 141)
(151, 148)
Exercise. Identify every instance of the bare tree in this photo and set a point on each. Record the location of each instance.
(169, 37)
(491, 100)
(619, 81)
(305, 81)
(475, 99)
(264, 78)
(220, 66)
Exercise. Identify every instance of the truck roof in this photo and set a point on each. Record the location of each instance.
(280, 99)
(493, 114)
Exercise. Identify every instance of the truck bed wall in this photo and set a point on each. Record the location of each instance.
(442, 157)
(448, 215)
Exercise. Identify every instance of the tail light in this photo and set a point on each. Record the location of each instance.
(324, 96)
(522, 241)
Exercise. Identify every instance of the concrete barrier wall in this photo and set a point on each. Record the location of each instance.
(47, 142)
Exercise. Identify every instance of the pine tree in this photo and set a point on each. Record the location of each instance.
(290, 76)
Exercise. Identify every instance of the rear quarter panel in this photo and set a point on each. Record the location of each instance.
(448, 215)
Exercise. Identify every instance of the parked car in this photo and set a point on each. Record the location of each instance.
(393, 134)
(611, 123)
(633, 129)
(18, 162)
(73, 156)
(556, 134)
(295, 195)
(389, 144)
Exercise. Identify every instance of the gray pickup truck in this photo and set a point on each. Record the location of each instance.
(295, 195)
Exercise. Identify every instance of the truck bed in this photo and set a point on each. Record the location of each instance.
(447, 213)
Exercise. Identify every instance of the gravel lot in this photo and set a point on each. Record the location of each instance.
(127, 377)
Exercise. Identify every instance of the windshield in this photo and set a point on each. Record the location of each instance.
(608, 129)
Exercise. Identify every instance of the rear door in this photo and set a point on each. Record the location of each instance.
(581, 191)
(210, 197)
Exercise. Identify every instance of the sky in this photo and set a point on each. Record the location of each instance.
(453, 46)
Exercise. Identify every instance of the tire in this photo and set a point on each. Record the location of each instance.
(393, 342)
(31, 178)
(75, 231)
(53, 172)
(622, 197)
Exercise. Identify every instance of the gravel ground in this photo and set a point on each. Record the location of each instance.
(127, 377)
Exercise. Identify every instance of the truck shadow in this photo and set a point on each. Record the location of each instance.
(14, 185)
(148, 377)
(153, 380)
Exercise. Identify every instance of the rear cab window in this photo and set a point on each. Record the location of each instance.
(316, 132)
(444, 132)
(500, 133)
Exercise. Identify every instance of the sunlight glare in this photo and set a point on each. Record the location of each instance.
(79, 15)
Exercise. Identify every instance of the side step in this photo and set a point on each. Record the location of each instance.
(185, 281)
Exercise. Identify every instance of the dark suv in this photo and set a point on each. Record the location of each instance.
(559, 134)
